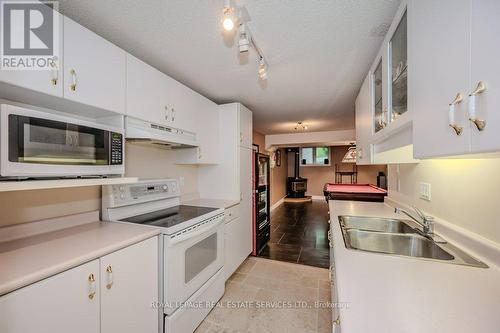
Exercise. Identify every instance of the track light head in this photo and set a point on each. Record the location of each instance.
(228, 17)
(245, 39)
(262, 69)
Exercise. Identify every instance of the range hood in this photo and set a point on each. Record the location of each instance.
(143, 132)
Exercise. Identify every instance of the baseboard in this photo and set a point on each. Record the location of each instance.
(318, 197)
(276, 205)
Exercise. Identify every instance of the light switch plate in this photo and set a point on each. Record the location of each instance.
(425, 191)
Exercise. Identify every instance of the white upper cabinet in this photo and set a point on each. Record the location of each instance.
(485, 68)
(440, 74)
(66, 302)
(129, 287)
(363, 106)
(45, 81)
(454, 56)
(94, 69)
(183, 105)
(207, 130)
(146, 92)
(246, 129)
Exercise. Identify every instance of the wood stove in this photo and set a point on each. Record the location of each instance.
(296, 185)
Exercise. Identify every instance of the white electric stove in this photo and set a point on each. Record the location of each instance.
(191, 246)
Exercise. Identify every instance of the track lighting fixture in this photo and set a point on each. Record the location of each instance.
(228, 17)
(246, 39)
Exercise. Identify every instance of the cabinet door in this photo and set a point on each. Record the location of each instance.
(246, 202)
(182, 102)
(485, 67)
(146, 92)
(363, 107)
(208, 131)
(245, 127)
(94, 69)
(60, 303)
(439, 62)
(46, 81)
(129, 287)
(235, 250)
(379, 101)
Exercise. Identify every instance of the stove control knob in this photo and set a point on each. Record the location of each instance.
(122, 196)
(121, 188)
(165, 188)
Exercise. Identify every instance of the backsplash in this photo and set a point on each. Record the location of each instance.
(465, 192)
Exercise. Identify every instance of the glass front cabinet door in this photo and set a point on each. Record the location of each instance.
(398, 74)
(379, 119)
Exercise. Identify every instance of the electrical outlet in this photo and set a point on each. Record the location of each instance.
(425, 191)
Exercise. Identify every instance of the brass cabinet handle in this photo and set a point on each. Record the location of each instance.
(92, 286)
(451, 114)
(199, 153)
(336, 322)
(73, 80)
(480, 124)
(109, 272)
(55, 72)
(166, 113)
(172, 114)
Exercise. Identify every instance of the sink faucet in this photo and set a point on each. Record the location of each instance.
(427, 222)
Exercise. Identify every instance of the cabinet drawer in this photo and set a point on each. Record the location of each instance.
(231, 213)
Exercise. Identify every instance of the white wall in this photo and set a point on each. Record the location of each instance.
(465, 192)
(151, 162)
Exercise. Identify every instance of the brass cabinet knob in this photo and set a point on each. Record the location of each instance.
(92, 286)
(109, 273)
(451, 114)
(480, 124)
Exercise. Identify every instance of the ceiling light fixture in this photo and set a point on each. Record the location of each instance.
(228, 17)
(300, 126)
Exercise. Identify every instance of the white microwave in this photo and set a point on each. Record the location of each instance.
(37, 144)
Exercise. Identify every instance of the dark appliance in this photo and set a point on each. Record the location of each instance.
(382, 180)
(262, 209)
(296, 185)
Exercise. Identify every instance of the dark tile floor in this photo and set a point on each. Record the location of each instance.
(299, 234)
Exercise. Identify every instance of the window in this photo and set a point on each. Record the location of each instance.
(315, 156)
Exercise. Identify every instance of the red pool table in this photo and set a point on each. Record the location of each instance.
(356, 192)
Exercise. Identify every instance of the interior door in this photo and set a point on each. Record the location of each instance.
(129, 288)
(94, 69)
(439, 62)
(60, 303)
(485, 67)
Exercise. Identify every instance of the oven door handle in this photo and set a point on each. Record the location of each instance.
(197, 232)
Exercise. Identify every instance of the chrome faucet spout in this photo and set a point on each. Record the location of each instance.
(426, 222)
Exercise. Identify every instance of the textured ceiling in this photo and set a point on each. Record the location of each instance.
(318, 51)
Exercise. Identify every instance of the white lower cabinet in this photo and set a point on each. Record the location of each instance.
(79, 300)
(61, 303)
(129, 286)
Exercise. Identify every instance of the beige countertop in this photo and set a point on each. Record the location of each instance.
(392, 294)
(28, 258)
(215, 203)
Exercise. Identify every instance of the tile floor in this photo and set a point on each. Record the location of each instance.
(256, 293)
(299, 233)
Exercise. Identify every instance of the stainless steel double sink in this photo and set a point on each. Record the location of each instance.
(399, 237)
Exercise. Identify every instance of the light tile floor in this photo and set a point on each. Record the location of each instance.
(273, 296)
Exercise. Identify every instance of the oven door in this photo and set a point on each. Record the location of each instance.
(190, 260)
(38, 144)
